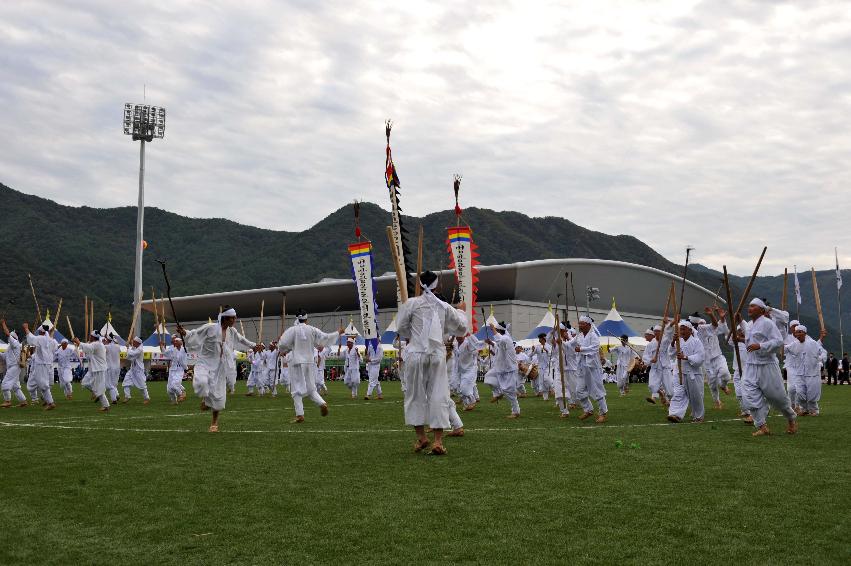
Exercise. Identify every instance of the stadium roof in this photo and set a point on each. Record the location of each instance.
(639, 289)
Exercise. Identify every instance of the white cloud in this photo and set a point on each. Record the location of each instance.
(716, 124)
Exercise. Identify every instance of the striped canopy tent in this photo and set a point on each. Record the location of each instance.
(545, 326)
(154, 338)
(614, 325)
(108, 329)
(352, 331)
(485, 331)
(58, 336)
(389, 335)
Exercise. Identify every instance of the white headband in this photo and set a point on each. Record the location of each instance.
(802, 328)
(686, 324)
(696, 320)
(794, 323)
(757, 302)
(657, 328)
(586, 319)
(431, 287)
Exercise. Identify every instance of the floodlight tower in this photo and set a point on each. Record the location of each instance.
(144, 123)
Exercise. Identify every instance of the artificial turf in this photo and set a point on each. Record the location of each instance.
(150, 485)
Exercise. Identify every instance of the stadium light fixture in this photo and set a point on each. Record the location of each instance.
(144, 123)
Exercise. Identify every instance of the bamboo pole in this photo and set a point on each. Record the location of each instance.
(70, 328)
(783, 295)
(400, 277)
(748, 288)
(417, 288)
(818, 301)
(260, 332)
(733, 324)
(37, 307)
(86, 317)
(557, 335)
(751, 282)
(58, 310)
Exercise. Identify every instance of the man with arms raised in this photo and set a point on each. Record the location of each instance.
(424, 321)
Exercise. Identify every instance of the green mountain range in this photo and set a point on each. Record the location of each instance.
(73, 252)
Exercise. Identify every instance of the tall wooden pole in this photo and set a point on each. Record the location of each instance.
(733, 324)
(557, 334)
(818, 301)
(262, 308)
(397, 265)
(417, 288)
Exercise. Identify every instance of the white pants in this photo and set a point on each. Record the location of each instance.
(792, 383)
(12, 384)
(303, 384)
(763, 386)
(718, 375)
(135, 378)
(112, 377)
(352, 380)
(230, 379)
(427, 390)
(42, 377)
(65, 379)
(373, 371)
(688, 395)
(740, 397)
(99, 386)
(591, 387)
(211, 385)
(174, 387)
(504, 383)
(468, 386)
(622, 378)
(455, 421)
(809, 393)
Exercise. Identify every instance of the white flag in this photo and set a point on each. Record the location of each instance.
(797, 287)
(838, 273)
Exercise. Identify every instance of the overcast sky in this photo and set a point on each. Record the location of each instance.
(723, 125)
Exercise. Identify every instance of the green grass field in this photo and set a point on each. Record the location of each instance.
(149, 485)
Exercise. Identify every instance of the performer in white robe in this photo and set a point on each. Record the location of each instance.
(792, 364)
(135, 376)
(285, 370)
(452, 368)
(113, 367)
(302, 340)
(214, 344)
(502, 376)
(763, 382)
(424, 321)
(95, 352)
(689, 393)
(715, 364)
(351, 367)
(522, 358)
(542, 356)
(270, 360)
(178, 362)
(625, 355)
(373, 367)
(809, 356)
(744, 411)
(256, 375)
(587, 345)
(12, 378)
(320, 357)
(467, 357)
(565, 395)
(42, 366)
(64, 357)
(654, 377)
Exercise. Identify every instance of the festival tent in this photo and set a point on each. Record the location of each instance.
(108, 329)
(154, 339)
(56, 334)
(389, 335)
(352, 331)
(544, 327)
(614, 325)
(485, 331)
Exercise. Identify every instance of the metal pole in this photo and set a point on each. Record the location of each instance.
(140, 222)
